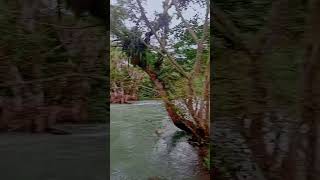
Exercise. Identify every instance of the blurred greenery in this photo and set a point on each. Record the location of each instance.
(56, 48)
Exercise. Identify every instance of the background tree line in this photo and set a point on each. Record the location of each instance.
(53, 63)
(128, 83)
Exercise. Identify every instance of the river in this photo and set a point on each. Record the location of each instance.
(138, 153)
(79, 156)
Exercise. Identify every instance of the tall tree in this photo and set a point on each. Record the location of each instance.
(256, 34)
(157, 61)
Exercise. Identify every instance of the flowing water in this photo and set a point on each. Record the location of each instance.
(79, 156)
(138, 153)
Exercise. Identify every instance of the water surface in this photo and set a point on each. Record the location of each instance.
(138, 153)
(79, 156)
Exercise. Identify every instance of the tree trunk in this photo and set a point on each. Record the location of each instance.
(311, 100)
(303, 161)
(178, 120)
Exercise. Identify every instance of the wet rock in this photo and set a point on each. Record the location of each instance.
(159, 132)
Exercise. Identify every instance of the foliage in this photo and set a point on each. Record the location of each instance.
(125, 75)
(177, 69)
(44, 52)
(207, 161)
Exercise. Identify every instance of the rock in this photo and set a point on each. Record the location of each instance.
(159, 132)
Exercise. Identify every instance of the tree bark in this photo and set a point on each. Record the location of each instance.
(177, 119)
(311, 100)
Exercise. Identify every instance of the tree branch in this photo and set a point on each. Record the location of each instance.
(192, 33)
(224, 25)
(171, 59)
(270, 34)
(199, 42)
(143, 14)
(206, 22)
(163, 51)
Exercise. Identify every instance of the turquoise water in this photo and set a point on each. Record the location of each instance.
(138, 153)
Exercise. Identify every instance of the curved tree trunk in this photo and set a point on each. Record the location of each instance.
(178, 120)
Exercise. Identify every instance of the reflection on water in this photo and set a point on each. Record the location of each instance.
(137, 152)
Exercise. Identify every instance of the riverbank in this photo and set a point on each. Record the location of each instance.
(135, 101)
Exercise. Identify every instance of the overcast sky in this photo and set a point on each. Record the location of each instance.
(156, 5)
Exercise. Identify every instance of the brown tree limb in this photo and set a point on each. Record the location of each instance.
(200, 49)
(190, 30)
(163, 51)
(171, 59)
(197, 130)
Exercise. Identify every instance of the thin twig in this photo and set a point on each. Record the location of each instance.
(163, 51)
(192, 33)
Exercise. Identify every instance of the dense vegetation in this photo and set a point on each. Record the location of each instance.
(128, 82)
(53, 66)
(177, 67)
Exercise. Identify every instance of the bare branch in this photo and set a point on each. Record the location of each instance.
(163, 51)
(171, 59)
(200, 49)
(192, 33)
(143, 14)
(224, 25)
(263, 41)
(206, 22)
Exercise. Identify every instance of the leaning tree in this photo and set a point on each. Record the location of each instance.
(149, 46)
